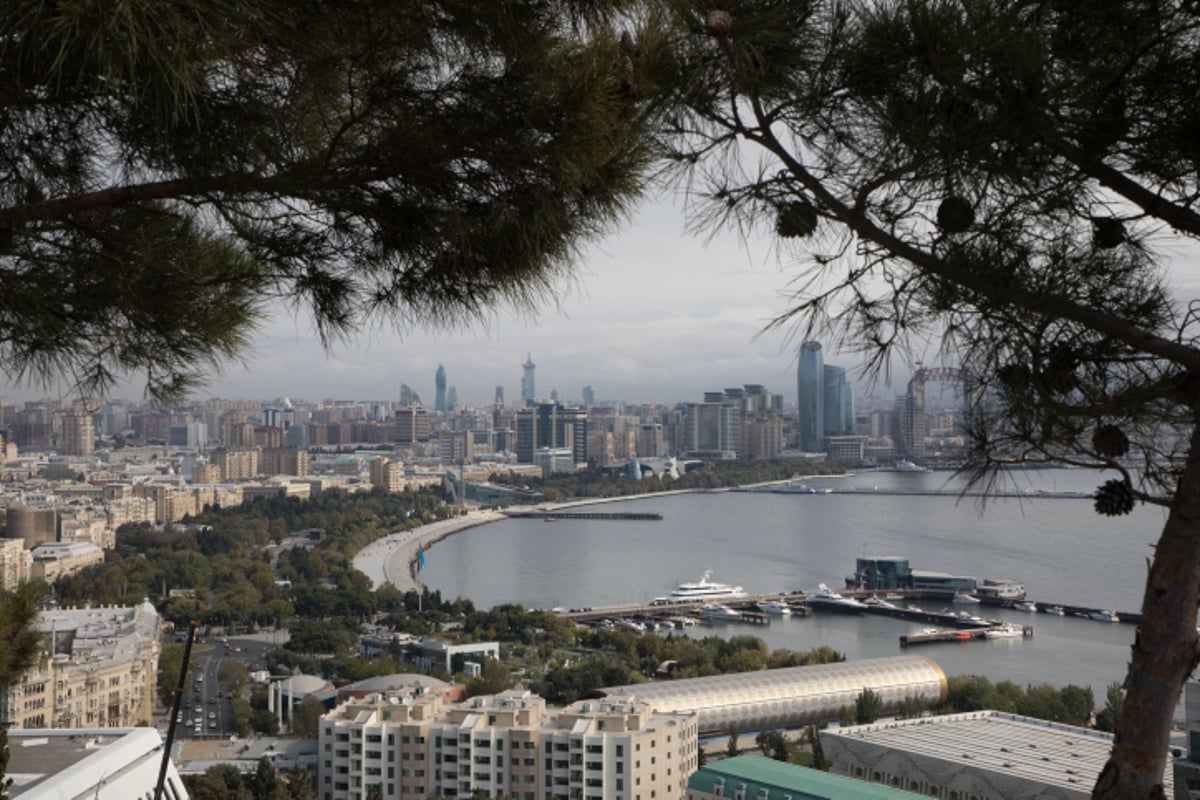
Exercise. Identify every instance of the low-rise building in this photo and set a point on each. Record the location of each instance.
(979, 755)
(53, 560)
(98, 669)
(758, 778)
(417, 745)
(99, 764)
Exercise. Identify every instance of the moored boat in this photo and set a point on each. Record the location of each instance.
(964, 597)
(825, 599)
(775, 608)
(1005, 631)
(1028, 606)
(702, 590)
(717, 611)
(1104, 615)
(875, 601)
(1056, 611)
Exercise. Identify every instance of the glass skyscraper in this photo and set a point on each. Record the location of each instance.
(810, 385)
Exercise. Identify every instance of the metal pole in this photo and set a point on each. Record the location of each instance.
(183, 668)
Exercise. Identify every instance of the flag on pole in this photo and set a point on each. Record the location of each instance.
(420, 559)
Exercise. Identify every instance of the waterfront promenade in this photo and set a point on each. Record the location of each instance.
(389, 560)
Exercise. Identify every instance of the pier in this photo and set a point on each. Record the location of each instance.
(959, 635)
(550, 516)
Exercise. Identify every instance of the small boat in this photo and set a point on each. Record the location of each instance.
(1104, 615)
(717, 611)
(775, 608)
(1006, 631)
(875, 601)
(1054, 610)
(1028, 606)
(826, 599)
(964, 597)
(631, 625)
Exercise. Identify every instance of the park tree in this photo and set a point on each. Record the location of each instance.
(867, 706)
(170, 168)
(22, 647)
(1114, 698)
(1001, 179)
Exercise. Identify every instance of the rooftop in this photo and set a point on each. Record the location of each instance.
(763, 776)
(1046, 752)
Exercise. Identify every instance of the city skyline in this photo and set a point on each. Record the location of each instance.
(654, 314)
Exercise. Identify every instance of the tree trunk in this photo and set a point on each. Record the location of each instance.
(1164, 650)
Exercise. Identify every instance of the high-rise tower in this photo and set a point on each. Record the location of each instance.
(527, 389)
(439, 379)
(810, 385)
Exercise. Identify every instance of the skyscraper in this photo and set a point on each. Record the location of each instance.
(810, 385)
(408, 397)
(451, 398)
(527, 389)
(78, 435)
(589, 396)
(499, 395)
(836, 402)
(439, 380)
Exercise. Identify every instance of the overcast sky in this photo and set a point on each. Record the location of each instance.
(655, 315)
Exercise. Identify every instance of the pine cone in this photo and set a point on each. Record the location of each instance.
(1114, 499)
(719, 23)
(1110, 441)
(1107, 232)
(955, 215)
(796, 219)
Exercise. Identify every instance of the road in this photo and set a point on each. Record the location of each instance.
(206, 709)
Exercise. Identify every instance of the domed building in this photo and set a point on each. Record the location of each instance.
(790, 697)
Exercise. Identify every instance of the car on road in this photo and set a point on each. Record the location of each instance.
(212, 723)
(212, 715)
(199, 709)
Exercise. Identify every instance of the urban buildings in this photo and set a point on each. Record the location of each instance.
(98, 670)
(550, 425)
(418, 745)
(78, 436)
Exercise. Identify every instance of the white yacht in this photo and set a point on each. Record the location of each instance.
(1054, 610)
(1005, 631)
(875, 601)
(631, 625)
(775, 608)
(718, 612)
(828, 600)
(1105, 615)
(964, 597)
(1028, 606)
(703, 590)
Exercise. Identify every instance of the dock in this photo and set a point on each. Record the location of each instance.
(550, 516)
(958, 635)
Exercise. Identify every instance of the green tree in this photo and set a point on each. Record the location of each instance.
(306, 718)
(867, 706)
(22, 647)
(1003, 178)
(493, 678)
(325, 155)
(731, 747)
(819, 761)
(1114, 698)
(234, 676)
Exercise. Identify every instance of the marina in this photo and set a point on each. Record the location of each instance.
(773, 545)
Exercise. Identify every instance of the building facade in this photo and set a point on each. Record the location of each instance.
(417, 745)
(98, 670)
(78, 436)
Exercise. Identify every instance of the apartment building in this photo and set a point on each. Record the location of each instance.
(418, 745)
(98, 670)
(14, 563)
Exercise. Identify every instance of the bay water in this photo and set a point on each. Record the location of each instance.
(767, 542)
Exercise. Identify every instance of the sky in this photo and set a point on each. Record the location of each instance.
(654, 314)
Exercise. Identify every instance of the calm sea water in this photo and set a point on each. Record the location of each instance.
(1060, 549)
